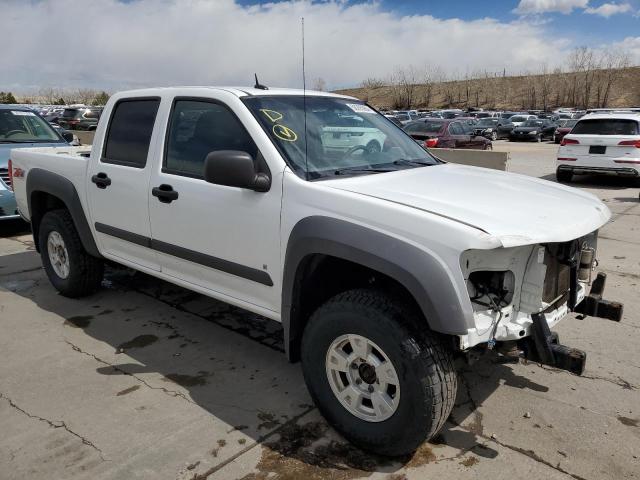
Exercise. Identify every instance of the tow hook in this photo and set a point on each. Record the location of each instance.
(594, 305)
(544, 345)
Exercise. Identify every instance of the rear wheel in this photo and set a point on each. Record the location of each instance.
(539, 138)
(564, 176)
(383, 384)
(71, 270)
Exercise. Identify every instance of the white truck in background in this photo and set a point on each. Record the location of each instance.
(383, 264)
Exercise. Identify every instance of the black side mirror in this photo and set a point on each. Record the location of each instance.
(68, 136)
(234, 168)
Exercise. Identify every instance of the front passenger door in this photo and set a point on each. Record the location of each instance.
(223, 239)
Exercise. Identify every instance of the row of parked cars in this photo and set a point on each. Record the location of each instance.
(476, 130)
(75, 117)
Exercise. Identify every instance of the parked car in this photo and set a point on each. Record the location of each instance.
(493, 128)
(80, 118)
(20, 127)
(403, 118)
(533, 130)
(506, 115)
(382, 266)
(394, 119)
(601, 144)
(564, 127)
(519, 119)
(75, 141)
(446, 133)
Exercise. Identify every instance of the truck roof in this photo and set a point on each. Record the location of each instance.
(238, 91)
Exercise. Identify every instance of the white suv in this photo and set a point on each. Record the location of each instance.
(601, 143)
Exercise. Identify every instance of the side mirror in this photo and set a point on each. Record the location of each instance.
(68, 136)
(234, 168)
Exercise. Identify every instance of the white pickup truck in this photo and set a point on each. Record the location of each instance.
(383, 264)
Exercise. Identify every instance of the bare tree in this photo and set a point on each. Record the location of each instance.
(403, 83)
(372, 83)
(545, 86)
(319, 84)
(613, 65)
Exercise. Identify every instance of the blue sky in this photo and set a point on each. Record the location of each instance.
(582, 27)
(139, 43)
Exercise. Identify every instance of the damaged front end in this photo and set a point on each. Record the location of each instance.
(519, 293)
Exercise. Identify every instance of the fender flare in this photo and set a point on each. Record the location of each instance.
(40, 180)
(426, 278)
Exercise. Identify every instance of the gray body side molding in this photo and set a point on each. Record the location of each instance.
(422, 275)
(39, 180)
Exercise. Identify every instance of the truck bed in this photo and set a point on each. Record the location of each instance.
(66, 161)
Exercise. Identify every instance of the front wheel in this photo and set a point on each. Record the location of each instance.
(71, 270)
(494, 136)
(383, 384)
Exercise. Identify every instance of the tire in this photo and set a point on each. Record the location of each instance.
(84, 272)
(494, 136)
(564, 176)
(427, 381)
(373, 147)
(539, 138)
(488, 146)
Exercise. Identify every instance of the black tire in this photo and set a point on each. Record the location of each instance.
(564, 176)
(427, 378)
(85, 271)
(494, 136)
(373, 147)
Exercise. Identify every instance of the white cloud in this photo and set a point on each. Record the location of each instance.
(630, 45)
(532, 7)
(608, 9)
(114, 45)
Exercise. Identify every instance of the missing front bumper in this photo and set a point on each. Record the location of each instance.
(543, 346)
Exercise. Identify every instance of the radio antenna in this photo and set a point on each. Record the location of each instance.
(304, 106)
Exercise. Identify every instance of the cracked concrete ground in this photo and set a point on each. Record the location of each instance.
(147, 380)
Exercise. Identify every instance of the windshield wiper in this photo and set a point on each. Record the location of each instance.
(345, 170)
(411, 161)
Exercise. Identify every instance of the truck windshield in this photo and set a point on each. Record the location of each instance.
(23, 126)
(342, 136)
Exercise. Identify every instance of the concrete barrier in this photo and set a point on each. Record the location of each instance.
(476, 158)
(86, 138)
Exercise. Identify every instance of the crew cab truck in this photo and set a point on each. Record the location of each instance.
(383, 264)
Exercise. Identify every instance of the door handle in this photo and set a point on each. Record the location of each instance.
(101, 180)
(165, 193)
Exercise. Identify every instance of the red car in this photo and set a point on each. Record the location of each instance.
(446, 133)
(564, 127)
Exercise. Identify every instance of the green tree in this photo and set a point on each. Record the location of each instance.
(60, 101)
(101, 98)
(7, 97)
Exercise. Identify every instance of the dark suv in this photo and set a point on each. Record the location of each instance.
(446, 133)
(83, 118)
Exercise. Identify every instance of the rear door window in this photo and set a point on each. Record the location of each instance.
(606, 126)
(130, 132)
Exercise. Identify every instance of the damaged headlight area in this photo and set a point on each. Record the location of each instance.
(491, 290)
(517, 294)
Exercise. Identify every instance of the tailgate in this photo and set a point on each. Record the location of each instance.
(613, 146)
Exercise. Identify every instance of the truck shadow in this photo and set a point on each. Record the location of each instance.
(252, 388)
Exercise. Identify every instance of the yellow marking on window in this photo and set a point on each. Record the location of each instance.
(272, 115)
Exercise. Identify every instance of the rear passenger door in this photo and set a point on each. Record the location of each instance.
(118, 182)
(457, 136)
(223, 239)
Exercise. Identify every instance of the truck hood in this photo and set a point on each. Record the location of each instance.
(516, 209)
(5, 149)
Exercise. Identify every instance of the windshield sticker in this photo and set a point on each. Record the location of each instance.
(20, 113)
(272, 115)
(360, 108)
(284, 133)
